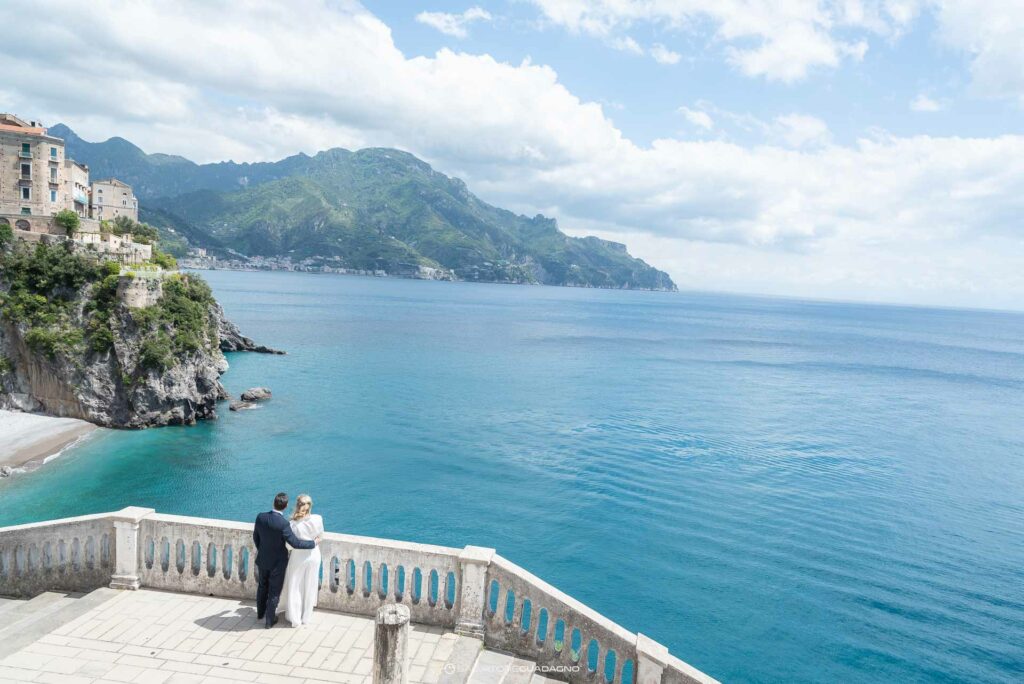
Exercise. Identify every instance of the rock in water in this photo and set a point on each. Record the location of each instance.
(243, 405)
(256, 394)
(5, 471)
(232, 339)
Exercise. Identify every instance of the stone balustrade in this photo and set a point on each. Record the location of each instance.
(73, 554)
(472, 590)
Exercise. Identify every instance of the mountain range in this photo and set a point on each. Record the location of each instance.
(373, 209)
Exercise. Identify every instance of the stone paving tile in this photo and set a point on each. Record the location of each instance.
(165, 638)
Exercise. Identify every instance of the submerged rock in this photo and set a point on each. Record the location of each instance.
(243, 405)
(256, 394)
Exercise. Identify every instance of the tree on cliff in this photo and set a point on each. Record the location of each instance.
(68, 220)
(140, 232)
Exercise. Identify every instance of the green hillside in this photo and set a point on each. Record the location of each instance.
(374, 209)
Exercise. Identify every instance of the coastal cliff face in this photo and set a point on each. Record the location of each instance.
(112, 388)
(71, 346)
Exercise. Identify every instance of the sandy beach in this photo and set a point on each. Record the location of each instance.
(27, 438)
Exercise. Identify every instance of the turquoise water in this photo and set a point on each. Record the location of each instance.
(777, 490)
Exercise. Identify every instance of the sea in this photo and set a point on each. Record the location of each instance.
(778, 490)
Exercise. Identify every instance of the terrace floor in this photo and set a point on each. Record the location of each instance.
(166, 638)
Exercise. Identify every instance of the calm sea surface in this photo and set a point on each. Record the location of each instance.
(777, 490)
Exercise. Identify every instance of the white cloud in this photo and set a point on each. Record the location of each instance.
(784, 40)
(658, 52)
(453, 24)
(919, 219)
(923, 103)
(991, 33)
(698, 118)
(626, 44)
(777, 39)
(801, 130)
(793, 130)
(662, 55)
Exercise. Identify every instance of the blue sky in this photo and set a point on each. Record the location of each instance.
(643, 97)
(852, 149)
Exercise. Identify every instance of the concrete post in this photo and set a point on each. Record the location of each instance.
(651, 659)
(390, 645)
(473, 563)
(126, 547)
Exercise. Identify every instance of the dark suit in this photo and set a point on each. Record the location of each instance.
(271, 532)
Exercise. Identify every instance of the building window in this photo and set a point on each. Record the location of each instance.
(53, 153)
(53, 195)
(26, 149)
(53, 174)
(26, 193)
(26, 211)
(26, 171)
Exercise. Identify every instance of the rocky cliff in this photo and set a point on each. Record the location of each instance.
(112, 389)
(232, 339)
(71, 346)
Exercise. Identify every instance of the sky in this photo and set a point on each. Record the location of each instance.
(868, 150)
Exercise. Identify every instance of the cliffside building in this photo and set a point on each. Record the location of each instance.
(37, 181)
(120, 248)
(76, 187)
(112, 198)
(32, 169)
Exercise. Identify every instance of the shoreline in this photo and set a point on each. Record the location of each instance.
(192, 267)
(30, 439)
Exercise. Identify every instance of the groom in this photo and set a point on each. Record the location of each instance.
(272, 530)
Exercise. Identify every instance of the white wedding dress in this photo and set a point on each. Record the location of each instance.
(302, 578)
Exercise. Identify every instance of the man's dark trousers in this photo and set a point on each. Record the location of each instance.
(270, 533)
(268, 591)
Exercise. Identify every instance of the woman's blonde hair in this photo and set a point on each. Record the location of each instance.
(303, 506)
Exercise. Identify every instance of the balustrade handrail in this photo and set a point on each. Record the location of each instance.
(57, 522)
(380, 542)
(444, 586)
(543, 587)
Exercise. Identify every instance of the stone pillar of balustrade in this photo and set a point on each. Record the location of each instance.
(126, 547)
(391, 645)
(651, 659)
(473, 563)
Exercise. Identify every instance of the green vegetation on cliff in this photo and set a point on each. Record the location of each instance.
(40, 288)
(68, 220)
(66, 302)
(179, 324)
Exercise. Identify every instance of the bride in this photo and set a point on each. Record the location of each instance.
(302, 578)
